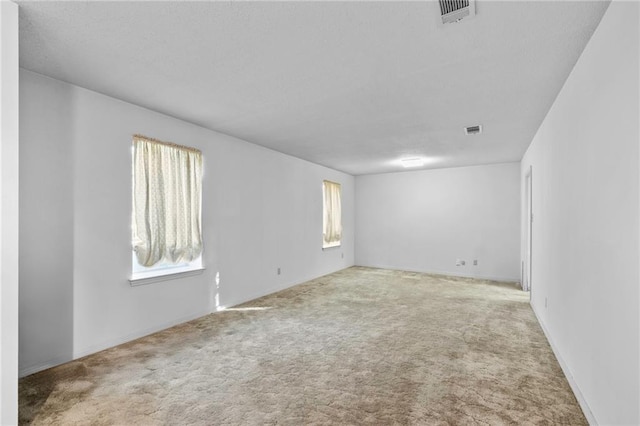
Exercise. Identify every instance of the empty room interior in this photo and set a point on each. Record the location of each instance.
(296, 213)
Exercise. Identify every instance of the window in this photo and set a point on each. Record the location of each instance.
(166, 218)
(331, 214)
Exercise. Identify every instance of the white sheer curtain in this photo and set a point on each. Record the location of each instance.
(332, 214)
(167, 196)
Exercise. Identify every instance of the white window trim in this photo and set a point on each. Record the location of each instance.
(172, 276)
(331, 245)
(142, 275)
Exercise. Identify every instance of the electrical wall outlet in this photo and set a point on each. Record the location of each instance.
(278, 271)
(463, 263)
(458, 262)
(475, 262)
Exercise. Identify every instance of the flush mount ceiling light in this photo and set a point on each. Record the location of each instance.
(412, 162)
(473, 130)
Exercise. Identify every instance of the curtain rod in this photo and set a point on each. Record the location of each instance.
(171, 144)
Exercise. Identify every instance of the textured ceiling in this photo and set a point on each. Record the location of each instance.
(353, 86)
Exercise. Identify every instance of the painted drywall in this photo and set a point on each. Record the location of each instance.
(426, 220)
(262, 210)
(46, 225)
(585, 279)
(9, 217)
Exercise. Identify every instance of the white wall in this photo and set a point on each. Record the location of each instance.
(261, 210)
(585, 163)
(425, 220)
(8, 213)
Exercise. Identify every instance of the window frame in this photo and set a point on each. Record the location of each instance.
(331, 244)
(141, 275)
(161, 271)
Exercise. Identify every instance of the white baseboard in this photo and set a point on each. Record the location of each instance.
(261, 293)
(106, 344)
(448, 273)
(565, 369)
(273, 289)
(23, 372)
(255, 295)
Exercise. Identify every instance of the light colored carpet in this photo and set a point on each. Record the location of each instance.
(361, 346)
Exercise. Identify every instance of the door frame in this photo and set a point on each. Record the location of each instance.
(529, 231)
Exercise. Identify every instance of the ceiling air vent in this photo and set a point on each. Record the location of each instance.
(455, 10)
(473, 130)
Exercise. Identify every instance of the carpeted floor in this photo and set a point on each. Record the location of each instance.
(361, 346)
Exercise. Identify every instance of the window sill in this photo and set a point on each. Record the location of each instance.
(165, 277)
(331, 246)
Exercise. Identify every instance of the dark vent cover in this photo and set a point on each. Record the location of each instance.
(473, 130)
(455, 10)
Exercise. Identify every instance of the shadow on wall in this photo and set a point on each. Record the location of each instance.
(46, 254)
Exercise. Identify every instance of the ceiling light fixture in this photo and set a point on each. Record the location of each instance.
(412, 162)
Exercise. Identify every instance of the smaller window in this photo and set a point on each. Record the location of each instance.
(332, 214)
